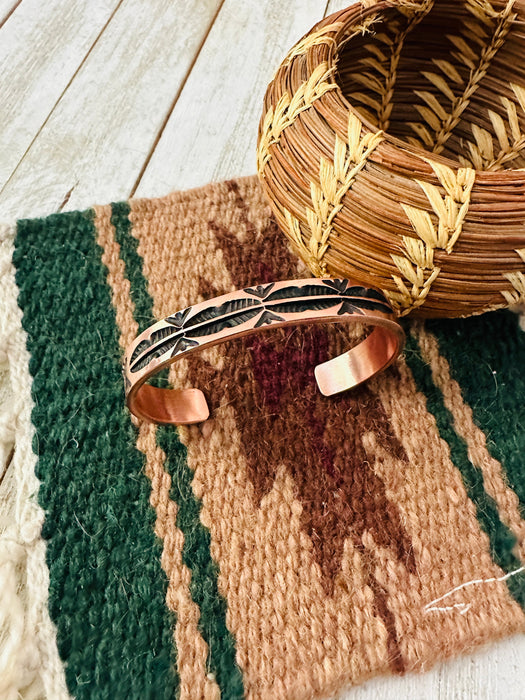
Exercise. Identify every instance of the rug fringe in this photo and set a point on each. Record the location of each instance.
(29, 661)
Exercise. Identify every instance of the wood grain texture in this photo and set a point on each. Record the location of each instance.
(495, 673)
(212, 130)
(94, 143)
(39, 54)
(103, 134)
(7, 7)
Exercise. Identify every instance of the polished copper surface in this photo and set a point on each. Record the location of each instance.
(250, 310)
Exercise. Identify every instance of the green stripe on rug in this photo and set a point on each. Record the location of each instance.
(133, 263)
(196, 550)
(204, 571)
(487, 358)
(500, 537)
(107, 589)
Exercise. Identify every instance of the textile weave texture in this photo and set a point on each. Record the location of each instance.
(293, 544)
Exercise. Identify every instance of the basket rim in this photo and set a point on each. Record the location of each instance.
(328, 52)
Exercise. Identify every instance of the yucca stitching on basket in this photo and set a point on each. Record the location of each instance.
(381, 231)
(387, 97)
(387, 66)
(517, 280)
(335, 179)
(436, 116)
(439, 82)
(365, 78)
(482, 152)
(313, 39)
(287, 109)
(434, 112)
(364, 27)
(451, 211)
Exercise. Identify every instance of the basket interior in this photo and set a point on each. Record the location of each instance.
(449, 79)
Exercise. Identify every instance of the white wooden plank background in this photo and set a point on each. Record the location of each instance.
(212, 131)
(31, 82)
(6, 8)
(103, 99)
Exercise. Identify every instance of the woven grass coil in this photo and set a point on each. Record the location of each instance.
(392, 151)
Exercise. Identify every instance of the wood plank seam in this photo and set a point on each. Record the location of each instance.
(3, 20)
(79, 67)
(175, 100)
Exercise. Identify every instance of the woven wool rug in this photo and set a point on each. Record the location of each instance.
(290, 546)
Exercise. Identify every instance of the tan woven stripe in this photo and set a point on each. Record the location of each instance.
(291, 638)
(493, 474)
(192, 650)
(450, 548)
(117, 281)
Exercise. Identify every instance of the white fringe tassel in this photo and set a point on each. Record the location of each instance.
(30, 666)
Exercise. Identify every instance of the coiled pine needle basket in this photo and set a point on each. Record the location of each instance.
(392, 151)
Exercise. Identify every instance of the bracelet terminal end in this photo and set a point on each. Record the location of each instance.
(178, 407)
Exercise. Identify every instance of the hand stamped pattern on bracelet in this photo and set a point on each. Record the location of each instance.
(263, 305)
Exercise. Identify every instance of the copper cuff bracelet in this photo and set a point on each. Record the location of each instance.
(247, 311)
